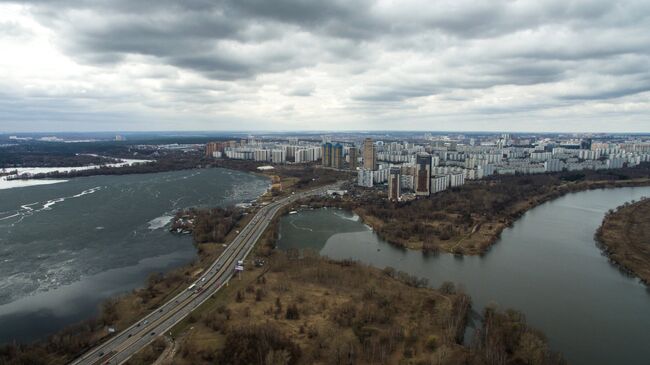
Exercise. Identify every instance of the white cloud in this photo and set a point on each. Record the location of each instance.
(294, 64)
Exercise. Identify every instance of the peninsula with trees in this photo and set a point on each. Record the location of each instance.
(624, 237)
(467, 220)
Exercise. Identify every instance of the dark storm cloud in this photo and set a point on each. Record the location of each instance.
(42, 110)
(197, 34)
(608, 93)
(365, 56)
(395, 93)
(482, 76)
(524, 73)
(188, 34)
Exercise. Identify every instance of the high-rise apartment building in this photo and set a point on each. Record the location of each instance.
(394, 184)
(327, 154)
(369, 155)
(332, 155)
(423, 175)
(353, 157)
(212, 147)
(337, 156)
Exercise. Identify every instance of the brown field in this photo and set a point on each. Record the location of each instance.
(303, 309)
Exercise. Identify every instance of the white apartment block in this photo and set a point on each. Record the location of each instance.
(365, 178)
(553, 165)
(439, 183)
(381, 175)
(456, 179)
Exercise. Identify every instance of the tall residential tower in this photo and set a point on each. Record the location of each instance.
(394, 184)
(352, 155)
(423, 175)
(369, 155)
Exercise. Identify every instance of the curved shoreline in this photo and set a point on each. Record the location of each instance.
(624, 238)
(545, 266)
(479, 240)
(116, 310)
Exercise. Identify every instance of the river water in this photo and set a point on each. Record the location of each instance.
(66, 247)
(546, 265)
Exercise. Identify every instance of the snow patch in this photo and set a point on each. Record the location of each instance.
(160, 222)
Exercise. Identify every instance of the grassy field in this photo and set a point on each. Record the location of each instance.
(625, 236)
(310, 310)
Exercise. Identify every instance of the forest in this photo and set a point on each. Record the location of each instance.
(624, 236)
(467, 220)
(9, 160)
(207, 225)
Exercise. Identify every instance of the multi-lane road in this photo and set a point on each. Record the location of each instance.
(127, 342)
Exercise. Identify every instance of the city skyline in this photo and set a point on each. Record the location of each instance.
(560, 66)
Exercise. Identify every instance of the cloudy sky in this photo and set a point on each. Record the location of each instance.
(517, 65)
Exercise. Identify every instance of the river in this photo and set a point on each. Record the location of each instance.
(66, 247)
(546, 265)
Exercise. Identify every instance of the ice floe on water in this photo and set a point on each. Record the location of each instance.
(9, 184)
(29, 209)
(50, 203)
(93, 226)
(353, 217)
(160, 222)
(88, 191)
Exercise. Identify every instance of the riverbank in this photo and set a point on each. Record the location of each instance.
(289, 176)
(120, 312)
(624, 237)
(304, 309)
(468, 220)
(301, 308)
(545, 265)
(125, 225)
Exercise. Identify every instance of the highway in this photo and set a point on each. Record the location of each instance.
(119, 348)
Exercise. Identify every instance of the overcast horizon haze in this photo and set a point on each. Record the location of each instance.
(296, 65)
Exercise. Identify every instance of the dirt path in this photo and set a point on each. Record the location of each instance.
(168, 354)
